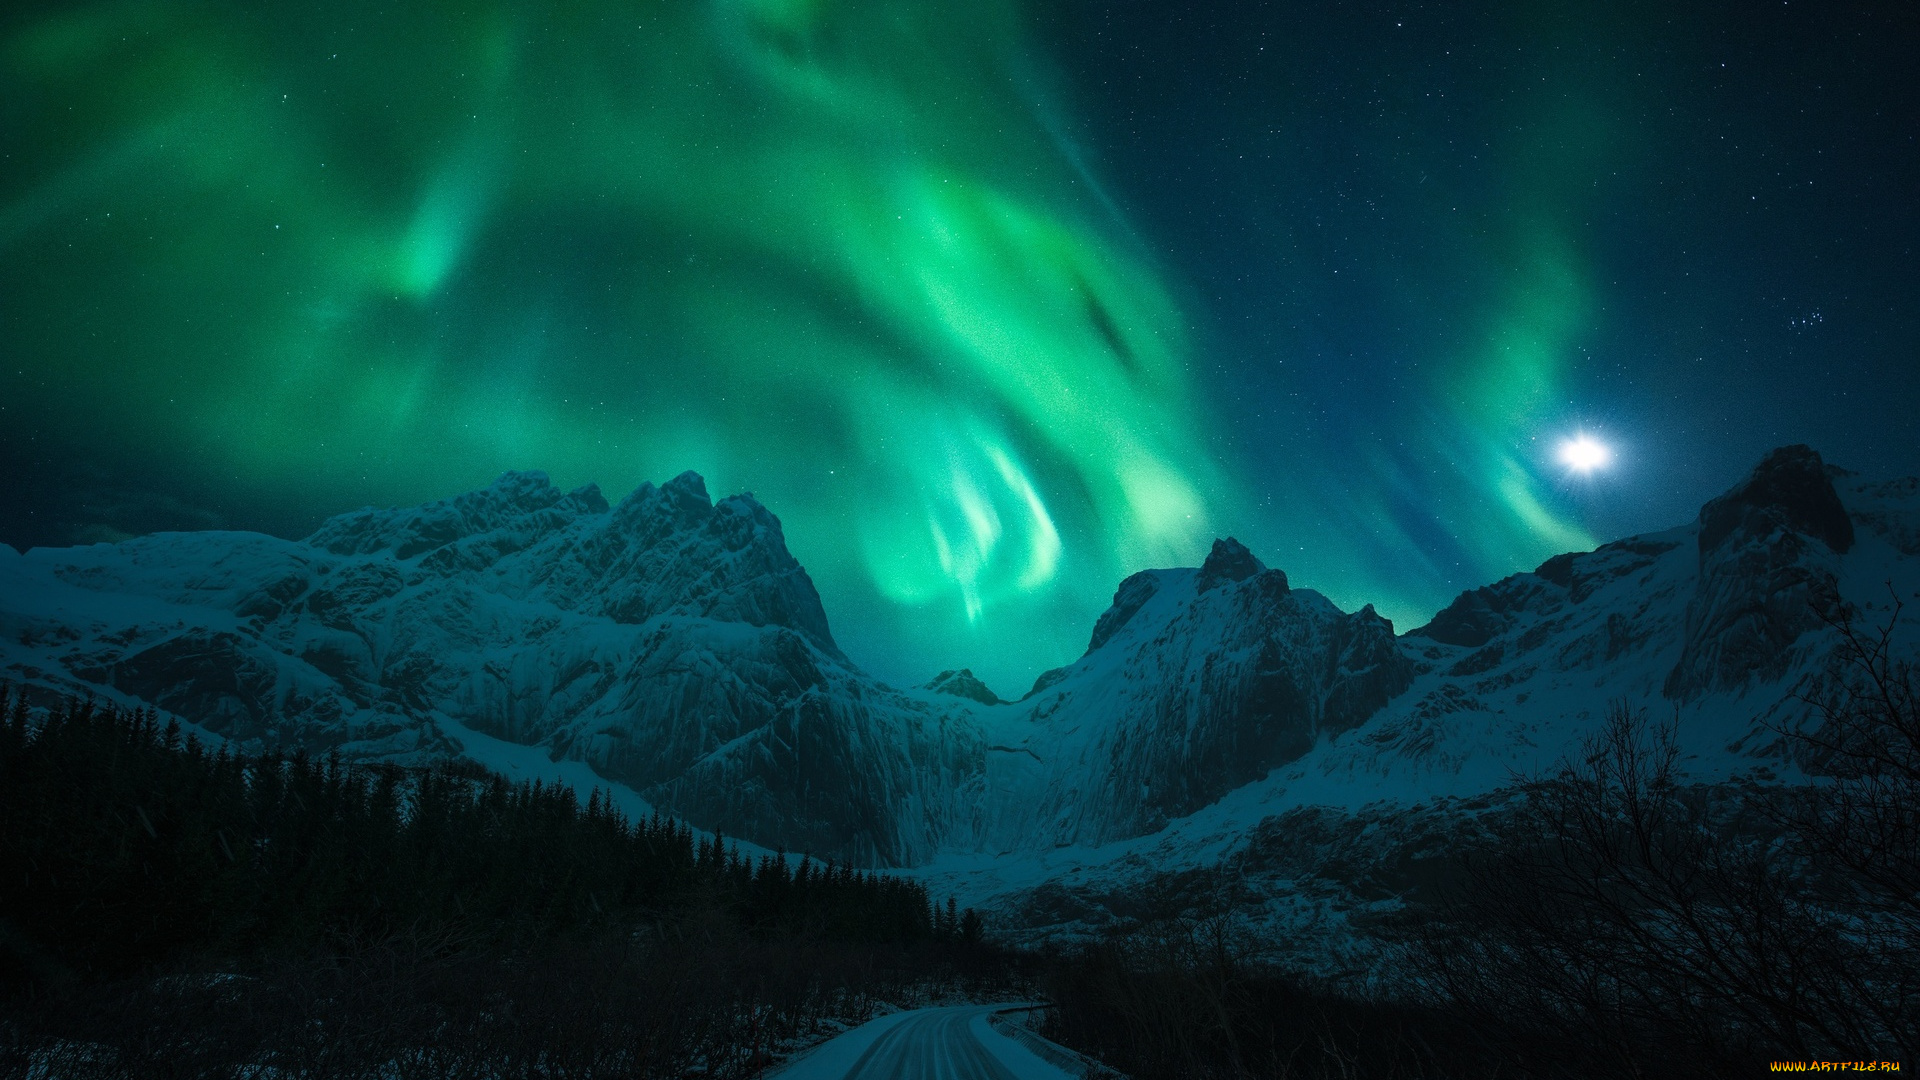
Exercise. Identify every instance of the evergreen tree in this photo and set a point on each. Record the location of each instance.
(123, 845)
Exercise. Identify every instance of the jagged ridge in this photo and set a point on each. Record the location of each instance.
(676, 646)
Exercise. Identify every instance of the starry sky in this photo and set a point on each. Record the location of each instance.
(993, 303)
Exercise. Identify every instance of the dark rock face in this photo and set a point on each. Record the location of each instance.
(1471, 620)
(1789, 490)
(1045, 679)
(963, 683)
(1277, 673)
(1891, 515)
(1228, 561)
(776, 743)
(1201, 681)
(1769, 553)
(1477, 616)
(1482, 616)
(201, 674)
(1133, 593)
(1368, 671)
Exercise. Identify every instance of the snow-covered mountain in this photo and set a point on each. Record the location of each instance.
(1713, 625)
(671, 643)
(675, 646)
(1195, 682)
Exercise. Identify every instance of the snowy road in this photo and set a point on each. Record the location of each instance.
(951, 1043)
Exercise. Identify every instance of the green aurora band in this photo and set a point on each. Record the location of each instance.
(837, 252)
(1477, 444)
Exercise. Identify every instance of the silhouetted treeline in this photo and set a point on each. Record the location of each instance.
(167, 909)
(125, 845)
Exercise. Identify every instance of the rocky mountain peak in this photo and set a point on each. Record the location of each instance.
(1228, 561)
(680, 503)
(512, 499)
(1128, 599)
(963, 683)
(670, 549)
(589, 498)
(674, 644)
(518, 484)
(1789, 489)
(688, 490)
(1477, 616)
(1769, 550)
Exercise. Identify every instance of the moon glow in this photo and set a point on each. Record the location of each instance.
(1585, 454)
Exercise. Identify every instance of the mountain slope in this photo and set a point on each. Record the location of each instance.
(675, 646)
(1715, 625)
(671, 643)
(1195, 682)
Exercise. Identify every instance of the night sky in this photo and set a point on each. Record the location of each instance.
(992, 304)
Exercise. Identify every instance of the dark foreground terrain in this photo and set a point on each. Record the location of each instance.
(166, 910)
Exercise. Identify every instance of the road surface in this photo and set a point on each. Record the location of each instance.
(949, 1043)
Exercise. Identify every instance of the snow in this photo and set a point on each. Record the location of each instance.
(520, 764)
(670, 652)
(832, 1059)
(957, 1042)
(1473, 720)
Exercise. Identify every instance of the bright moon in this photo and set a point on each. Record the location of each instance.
(1582, 454)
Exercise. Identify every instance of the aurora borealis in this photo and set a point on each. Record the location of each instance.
(991, 304)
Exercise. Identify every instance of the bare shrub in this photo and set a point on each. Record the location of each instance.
(1180, 998)
(1865, 822)
(1627, 920)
